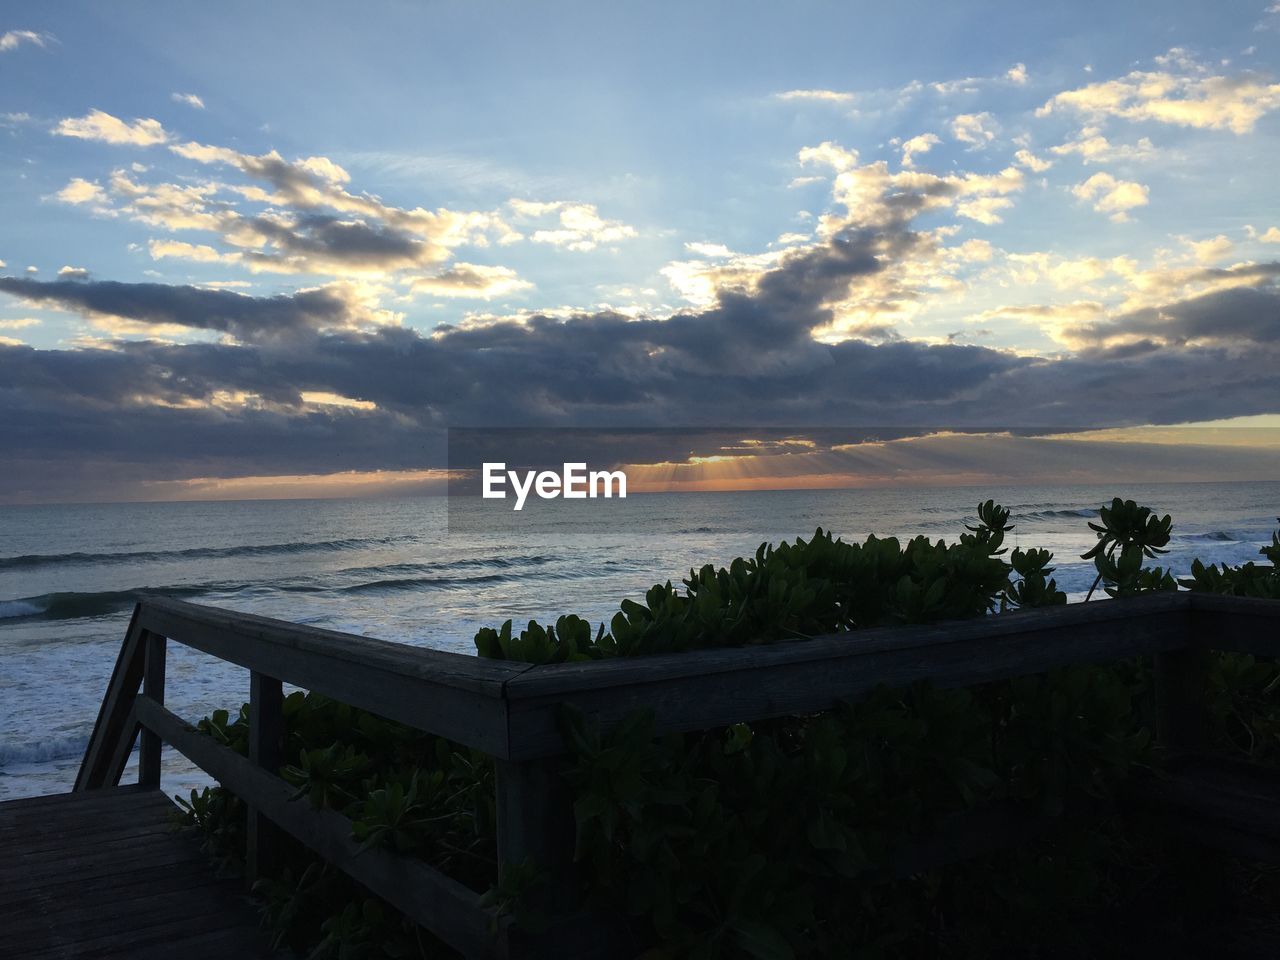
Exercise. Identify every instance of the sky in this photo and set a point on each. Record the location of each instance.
(279, 249)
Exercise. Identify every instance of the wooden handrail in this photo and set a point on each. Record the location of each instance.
(512, 710)
(450, 694)
(431, 898)
(711, 688)
(116, 728)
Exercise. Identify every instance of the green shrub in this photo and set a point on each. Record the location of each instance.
(778, 839)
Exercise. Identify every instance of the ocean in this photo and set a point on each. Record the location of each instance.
(393, 569)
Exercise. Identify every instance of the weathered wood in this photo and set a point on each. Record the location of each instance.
(1238, 624)
(24, 911)
(50, 803)
(706, 689)
(439, 903)
(83, 858)
(153, 645)
(111, 825)
(115, 722)
(83, 897)
(535, 819)
(535, 822)
(196, 931)
(89, 864)
(118, 759)
(455, 696)
(532, 803)
(266, 736)
(78, 920)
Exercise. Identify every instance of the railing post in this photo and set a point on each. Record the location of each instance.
(536, 822)
(154, 645)
(535, 818)
(266, 740)
(1181, 680)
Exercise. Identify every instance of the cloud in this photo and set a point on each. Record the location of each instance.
(1270, 235)
(829, 154)
(103, 127)
(12, 39)
(1243, 317)
(701, 282)
(79, 190)
(323, 243)
(248, 319)
(1109, 195)
(1121, 288)
(195, 252)
(826, 331)
(1015, 75)
(1025, 158)
(984, 209)
(1068, 273)
(872, 196)
(19, 323)
(190, 99)
(579, 226)
(827, 96)
(167, 412)
(1211, 250)
(73, 273)
(306, 222)
(1092, 147)
(1124, 285)
(709, 249)
(1185, 93)
(917, 145)
(970, 458)
(977, 129)
(471, 280)
(1053, 318)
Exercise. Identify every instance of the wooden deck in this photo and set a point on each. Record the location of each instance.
(99, 874)
(104, 874)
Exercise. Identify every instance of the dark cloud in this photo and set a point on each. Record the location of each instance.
(246, 318)
(1237, 315)
(156, 410)
(317, 240)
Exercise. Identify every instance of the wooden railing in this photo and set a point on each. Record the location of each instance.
(510, 711)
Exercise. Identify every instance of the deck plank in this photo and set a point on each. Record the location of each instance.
(105, 874)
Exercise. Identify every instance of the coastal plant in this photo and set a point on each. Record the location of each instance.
(784, 838)
(1138, 533)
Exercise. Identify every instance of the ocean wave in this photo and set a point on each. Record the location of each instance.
(419, 583)
(83, 605)
(1089, 513)
(1214, 536)
(78, 606)
(13, 609)
(32, 561)
(468, 563)
(43, 751)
